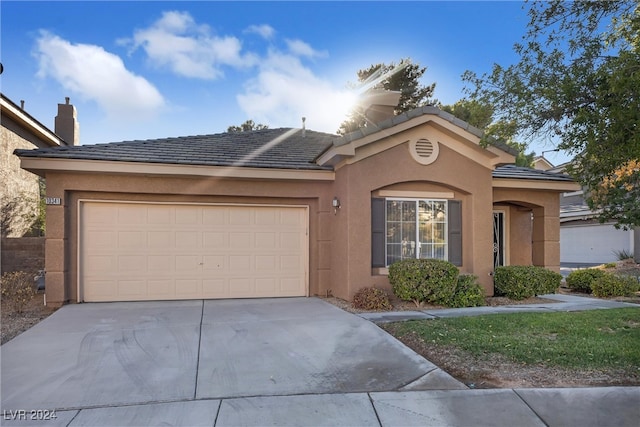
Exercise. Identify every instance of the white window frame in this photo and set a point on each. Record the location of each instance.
(418, 244)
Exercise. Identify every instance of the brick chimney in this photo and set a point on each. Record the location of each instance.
(66, 125)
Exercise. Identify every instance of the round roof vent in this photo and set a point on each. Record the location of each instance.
(424, 151)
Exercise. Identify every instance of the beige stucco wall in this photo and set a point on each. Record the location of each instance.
(62, 221)
(16, 185)
(544, 247)
(396, 169)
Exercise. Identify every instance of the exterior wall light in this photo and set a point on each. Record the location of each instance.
(336, 205)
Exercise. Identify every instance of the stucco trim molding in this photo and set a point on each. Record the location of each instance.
(414, 194)
(37, 165)
(530, 184)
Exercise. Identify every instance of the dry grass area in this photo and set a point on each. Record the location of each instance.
(13, 324)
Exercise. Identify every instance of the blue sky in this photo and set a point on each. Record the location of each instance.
(143, 70)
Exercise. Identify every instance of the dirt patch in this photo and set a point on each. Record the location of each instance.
(13, 324)
(400, 305)
(496, 371)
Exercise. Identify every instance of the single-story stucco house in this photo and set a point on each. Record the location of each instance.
(288, 212)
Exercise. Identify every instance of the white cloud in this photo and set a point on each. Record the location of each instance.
(189, 49)
(265, 31)
(300, 48)
(285, 90)
(95, 74)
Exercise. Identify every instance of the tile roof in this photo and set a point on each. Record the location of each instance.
(282, 148)
(519, 172)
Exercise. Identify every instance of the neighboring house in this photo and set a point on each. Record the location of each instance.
(583, 239)
(289, 212)
(20, 189)
(541, 163)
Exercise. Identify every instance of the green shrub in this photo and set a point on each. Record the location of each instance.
(611, 285)
(623, 254)
(17, 289)
(581, 280)
(468, 292)
(371, 299)
(421, 280)
(524, 281)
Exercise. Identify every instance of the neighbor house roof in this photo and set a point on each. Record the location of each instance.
(45, 136)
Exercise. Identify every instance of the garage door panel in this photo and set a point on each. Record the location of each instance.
(133, 265)
(216, 288)
(132, 215)
(240, 240)
(136, 289)
(188, 215)
(133, 251)
(215, 240)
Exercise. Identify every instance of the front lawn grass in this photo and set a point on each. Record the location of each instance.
(588, 340)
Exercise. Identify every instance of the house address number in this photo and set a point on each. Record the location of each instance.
(52, 201)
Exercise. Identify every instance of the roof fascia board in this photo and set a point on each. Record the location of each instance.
(13, 111)
(100, 166)
(534, 184)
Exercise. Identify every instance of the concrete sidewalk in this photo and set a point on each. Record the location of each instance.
(565, 303)
(584, 407)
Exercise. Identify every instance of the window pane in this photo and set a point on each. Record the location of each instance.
(394, 232)
(409, 211)
(439, 233)
(393, 253)
(439, 211)
(394, 210)
(408, 240)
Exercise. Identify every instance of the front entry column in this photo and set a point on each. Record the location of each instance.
(546, 239)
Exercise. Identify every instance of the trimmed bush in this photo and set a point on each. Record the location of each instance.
(468, 292)
(17, 289)
(581, 280)
(423, 280)
(523, 281)
(611, 285)
(371, 299)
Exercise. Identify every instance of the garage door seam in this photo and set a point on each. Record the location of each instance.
(195, 389)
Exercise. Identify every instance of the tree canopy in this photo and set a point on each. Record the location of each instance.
(577, 84)
(403, 77)
(481, 115)
(247, 126)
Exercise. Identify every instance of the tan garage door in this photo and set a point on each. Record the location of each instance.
(137, 251)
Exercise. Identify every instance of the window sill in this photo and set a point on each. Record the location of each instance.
(380, 271)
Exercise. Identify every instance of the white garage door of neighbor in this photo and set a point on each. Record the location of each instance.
(140, 251)
(596, 243)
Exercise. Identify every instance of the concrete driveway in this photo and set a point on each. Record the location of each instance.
(194, 352)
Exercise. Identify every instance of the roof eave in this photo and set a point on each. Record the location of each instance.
(11, 110)
(535, 184)
(41, 166)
